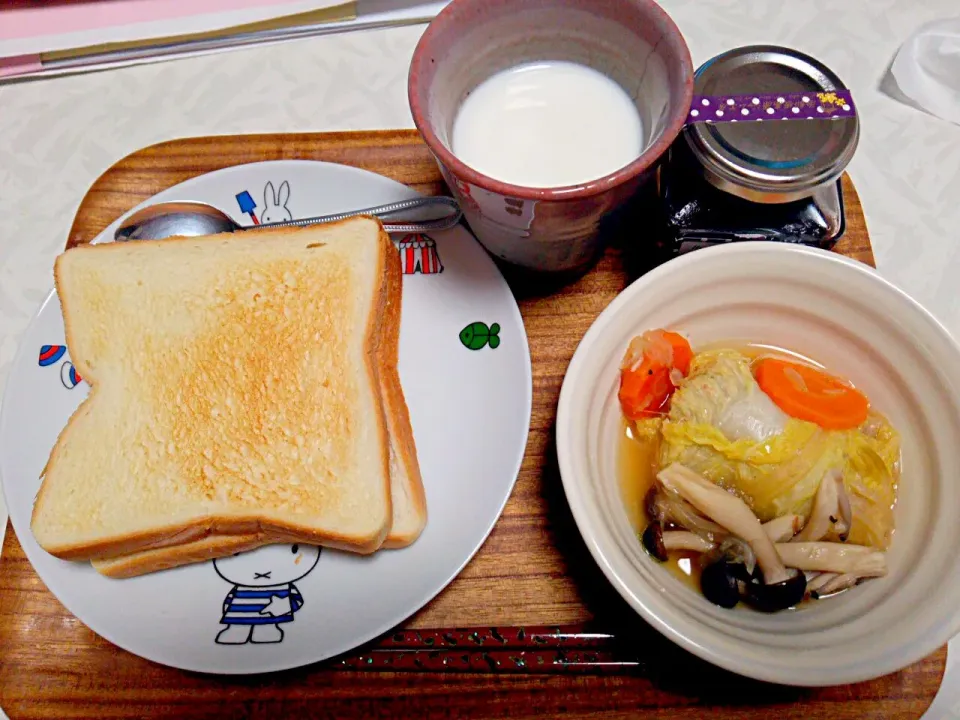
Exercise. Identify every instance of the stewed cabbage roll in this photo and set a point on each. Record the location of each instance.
(723, 426)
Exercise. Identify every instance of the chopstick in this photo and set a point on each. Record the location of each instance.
(540, 649)
(325, 21)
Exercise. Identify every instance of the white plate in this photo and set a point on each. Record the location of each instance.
(470, 411)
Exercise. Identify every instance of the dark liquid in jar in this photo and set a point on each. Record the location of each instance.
(697, 214)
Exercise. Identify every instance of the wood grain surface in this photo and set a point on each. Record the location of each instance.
(534, 568)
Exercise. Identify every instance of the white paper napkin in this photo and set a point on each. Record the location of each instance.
(927, 68)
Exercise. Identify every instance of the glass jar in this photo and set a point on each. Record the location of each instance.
(769, 180)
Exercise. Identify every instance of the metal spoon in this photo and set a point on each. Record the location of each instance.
(168, 219)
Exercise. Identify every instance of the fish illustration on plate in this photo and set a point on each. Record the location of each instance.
(477, 335)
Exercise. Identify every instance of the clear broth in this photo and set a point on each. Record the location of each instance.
(637, 458)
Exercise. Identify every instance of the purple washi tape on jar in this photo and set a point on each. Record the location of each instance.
(772, 106)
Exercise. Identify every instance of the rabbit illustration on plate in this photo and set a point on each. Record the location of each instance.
(263, 596)
(275, 204)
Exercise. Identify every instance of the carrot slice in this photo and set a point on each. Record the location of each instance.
(806, 393)
(645, 386)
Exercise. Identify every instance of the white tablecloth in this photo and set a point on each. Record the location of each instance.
(57, 136)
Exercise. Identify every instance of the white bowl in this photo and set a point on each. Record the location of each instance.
(841, 313)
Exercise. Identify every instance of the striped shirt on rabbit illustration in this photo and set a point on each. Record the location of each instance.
(275, 204)
(263, 595)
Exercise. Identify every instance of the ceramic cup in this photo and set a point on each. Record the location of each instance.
(633, 42)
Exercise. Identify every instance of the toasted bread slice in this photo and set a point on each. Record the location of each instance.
(406, 487)
(235, 391)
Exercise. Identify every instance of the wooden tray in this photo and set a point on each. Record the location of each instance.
(533, 570)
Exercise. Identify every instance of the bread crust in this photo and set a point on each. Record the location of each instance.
(397, 413)
(209, 548)
(239, 525)
(374, 340)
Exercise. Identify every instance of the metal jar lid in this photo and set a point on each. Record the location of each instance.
(770, 162)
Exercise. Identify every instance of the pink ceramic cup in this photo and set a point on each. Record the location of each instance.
(633, 42)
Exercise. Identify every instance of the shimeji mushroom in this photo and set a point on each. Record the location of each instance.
(825, 510)
(783, 528)
(785, 559)
(659, 542)
(831, 509)
(683, 540)
(818, 580)
(836, 584)
(841, 558)
(669, 508)
(730, 512)
(723, 580)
